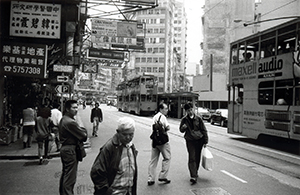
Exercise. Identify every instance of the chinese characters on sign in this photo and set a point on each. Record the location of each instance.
(39, 20)
(106, 32)
(27, 60)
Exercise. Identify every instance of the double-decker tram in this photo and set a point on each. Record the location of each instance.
(264, 83)
(138, 95)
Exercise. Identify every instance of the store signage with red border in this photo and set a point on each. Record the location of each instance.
(23, 59)
(35, 19)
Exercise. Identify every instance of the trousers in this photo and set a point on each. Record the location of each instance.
(69, 169)
(165, 150)
(96, 125)
(194, 148)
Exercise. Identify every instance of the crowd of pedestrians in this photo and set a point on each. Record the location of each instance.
(115, 168)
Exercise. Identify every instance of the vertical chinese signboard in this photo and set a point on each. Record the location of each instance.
(20, 59)
(35, 19)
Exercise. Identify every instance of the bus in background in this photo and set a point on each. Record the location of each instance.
(138, 95)
(264, 83)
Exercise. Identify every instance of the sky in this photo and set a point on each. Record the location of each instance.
(194, 32)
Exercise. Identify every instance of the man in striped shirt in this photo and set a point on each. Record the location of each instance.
(115, 169)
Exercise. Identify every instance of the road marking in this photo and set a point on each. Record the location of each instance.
(233, 176)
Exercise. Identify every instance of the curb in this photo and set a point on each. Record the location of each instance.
(87, 144)
(25, 156)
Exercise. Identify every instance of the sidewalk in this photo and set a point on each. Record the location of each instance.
(16, 151)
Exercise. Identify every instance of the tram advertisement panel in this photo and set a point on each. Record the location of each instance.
(277, 66)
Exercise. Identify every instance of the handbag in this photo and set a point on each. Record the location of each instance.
(51, 136)
(158, 136)
(196, 134)
(206, 159)
(80, 151)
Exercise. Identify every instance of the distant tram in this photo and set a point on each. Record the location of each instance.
(138, 95)
(264, 83)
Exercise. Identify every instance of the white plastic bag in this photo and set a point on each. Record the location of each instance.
(206, 159)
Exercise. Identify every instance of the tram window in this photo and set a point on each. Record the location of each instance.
(297, 92)
(265, 92)
(154, 98)
(120, 98)
(286, 43)
(143, 98)
(253, 49)
(149, 98)
(265, 96)
(284, 96)
(267, 48)
(234, 55)
(297, 97)
(241, 53)
(149, 83)
(267, 84)
(127, 98)
(284, 92)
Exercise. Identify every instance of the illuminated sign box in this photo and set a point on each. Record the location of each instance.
(34, 19)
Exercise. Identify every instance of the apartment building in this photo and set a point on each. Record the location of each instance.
(165, 44)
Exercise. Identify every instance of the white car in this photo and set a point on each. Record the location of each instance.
(204, 113)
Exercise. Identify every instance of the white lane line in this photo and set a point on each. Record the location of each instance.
(233, 176)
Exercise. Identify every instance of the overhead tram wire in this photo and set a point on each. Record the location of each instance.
(264, 14)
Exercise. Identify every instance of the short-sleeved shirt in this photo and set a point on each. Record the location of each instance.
(163, 119)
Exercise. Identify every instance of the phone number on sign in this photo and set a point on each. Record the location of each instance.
(26, 70)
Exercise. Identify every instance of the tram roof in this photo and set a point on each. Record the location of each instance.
(179, 94)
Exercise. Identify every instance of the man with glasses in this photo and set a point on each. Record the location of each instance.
(115, 169)
(196, 137)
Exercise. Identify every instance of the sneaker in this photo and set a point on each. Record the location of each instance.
(165, 180)
(193, 181)
(41, 161)
(150, 183)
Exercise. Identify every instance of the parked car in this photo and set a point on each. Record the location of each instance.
(204, 113)
(220, 117)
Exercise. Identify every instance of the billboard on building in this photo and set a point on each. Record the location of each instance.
(35, 19)
(106, 32)
(23, 59)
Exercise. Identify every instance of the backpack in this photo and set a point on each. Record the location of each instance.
(159, 135)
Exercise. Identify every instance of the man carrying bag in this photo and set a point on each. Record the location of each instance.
(196, 137)
(160, 144)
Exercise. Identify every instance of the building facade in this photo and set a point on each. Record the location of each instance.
(162, 56)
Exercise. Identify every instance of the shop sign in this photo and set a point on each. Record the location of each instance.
(62, 68)
(35, 19)
(22, 59)
(106, 54)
